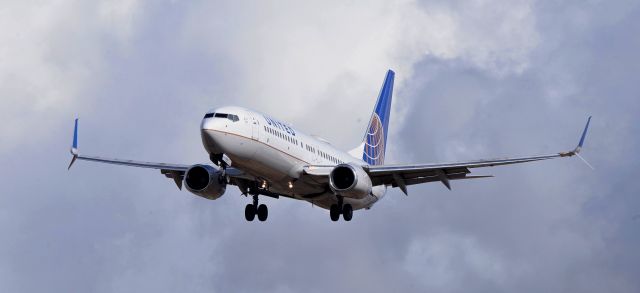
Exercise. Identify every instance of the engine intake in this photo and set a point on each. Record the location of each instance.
(205, 181)
(350, 181)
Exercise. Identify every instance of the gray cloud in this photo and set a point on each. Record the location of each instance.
(475, 81)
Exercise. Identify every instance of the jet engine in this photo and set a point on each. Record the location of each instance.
(350, 180)
(205, 181)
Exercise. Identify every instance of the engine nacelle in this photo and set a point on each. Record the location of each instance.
(350, 181)
(205, 181)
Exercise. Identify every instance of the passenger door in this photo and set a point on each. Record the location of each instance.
(255, 128)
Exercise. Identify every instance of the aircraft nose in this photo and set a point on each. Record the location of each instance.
(208, 124)
(213, 131)
(211, 138)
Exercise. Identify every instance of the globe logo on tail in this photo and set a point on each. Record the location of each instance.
(374, 142)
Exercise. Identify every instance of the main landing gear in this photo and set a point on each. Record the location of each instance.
(251, 210)
(345, 209)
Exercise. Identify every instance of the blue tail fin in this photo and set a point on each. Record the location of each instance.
(375, 139)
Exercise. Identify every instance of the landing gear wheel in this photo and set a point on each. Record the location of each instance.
(263, 212)
(250, 212)
(347, 212)
(334, 212)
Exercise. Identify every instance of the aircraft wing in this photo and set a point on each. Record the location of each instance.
(173, 171)
(404, 175)
(132, 163)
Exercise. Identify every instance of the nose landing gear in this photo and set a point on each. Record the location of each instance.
(218, 159)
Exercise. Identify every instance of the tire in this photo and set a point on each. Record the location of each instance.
(263, 212)
(347, 212)
(250, 212)
(334, 212)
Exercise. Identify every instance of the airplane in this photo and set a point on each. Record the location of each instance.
(264, 156)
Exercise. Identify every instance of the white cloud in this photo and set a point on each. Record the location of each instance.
(119, 16)
(298, 59)
(51, 52)
(309, 57)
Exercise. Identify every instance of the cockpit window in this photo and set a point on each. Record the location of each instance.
(231, 117)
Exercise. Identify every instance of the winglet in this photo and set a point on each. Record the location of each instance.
(584, 134)
(576, 151)
(74, 145)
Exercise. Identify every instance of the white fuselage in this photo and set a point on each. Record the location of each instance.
(275, 152)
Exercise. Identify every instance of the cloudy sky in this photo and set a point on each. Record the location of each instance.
(475, 79)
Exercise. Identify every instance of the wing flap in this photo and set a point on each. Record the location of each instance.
(388, 177)
(436, 179)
